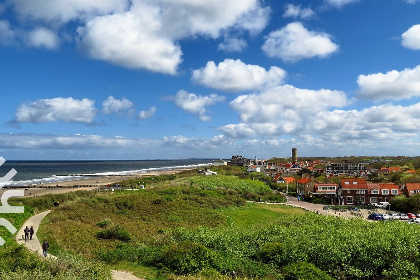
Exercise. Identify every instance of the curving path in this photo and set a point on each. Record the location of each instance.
(35, 246)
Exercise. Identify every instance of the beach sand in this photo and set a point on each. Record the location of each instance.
(86, 184)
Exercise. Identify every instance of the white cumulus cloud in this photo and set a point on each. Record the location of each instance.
(294, 42)
(115, 106)
(43, 38)
(411, 38)
(234, 75)
(339, 3)
(57, 109)
(184, 18)
(232, 45)
(139, 44)
(280, 110)
(196, 104)
(65, 10)
(298, 12)
(148, 113)
(391, 85)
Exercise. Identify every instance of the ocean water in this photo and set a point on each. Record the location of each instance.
(39, 172)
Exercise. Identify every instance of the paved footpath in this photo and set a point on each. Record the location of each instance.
(35, 246)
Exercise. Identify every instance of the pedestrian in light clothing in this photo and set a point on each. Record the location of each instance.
(31, 232)
(45, 247)
(26, 231)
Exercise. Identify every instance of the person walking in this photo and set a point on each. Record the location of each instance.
(31, 232)
(45, 247)
(26, 231)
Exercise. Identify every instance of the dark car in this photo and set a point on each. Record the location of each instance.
(375, 216)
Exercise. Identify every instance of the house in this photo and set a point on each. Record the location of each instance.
(352, 191)
(280, 179)
(346, 168)
(305, 186)
(410, 189)
(382, 192)
(326, 191)
(220, 162)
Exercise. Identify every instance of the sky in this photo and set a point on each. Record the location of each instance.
(175, 79)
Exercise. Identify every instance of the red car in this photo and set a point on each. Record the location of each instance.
(411, 216)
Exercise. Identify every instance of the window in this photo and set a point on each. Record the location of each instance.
(348, 191)
(375, 191)
(373, 200)
(394, 192)
(349, 199)
(360, 191)
(360, 199)
(385, 192)
(354, 183)
(347, 183)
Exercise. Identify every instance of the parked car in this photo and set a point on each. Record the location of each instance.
(375, 216)
(416, 220)
(411, 216)
(383, 205)
(395, 216)
(404, 217)
(386, 217)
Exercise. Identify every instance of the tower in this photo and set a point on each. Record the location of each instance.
(294, 155)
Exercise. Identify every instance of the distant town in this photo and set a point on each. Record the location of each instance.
(339, 181)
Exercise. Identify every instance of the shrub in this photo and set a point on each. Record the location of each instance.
(116, 232)
(103, 224)
(304, 271)
(271, 253)
(188, 257)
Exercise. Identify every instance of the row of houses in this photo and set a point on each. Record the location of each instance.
(355, 191)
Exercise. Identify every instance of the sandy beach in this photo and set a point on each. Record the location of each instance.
(86, 184)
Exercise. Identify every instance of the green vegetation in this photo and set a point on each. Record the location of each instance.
(16, 262)
(201, 227)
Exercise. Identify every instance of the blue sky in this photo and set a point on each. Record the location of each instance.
(168, 79)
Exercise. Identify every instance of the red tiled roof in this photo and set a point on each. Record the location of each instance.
(394, 169)
(353, 183)
(373, 186)
(412, 187)
(411, 171)
(389, 186)
(303, 180)
(289, 179)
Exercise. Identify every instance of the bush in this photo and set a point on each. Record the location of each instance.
(304, 271)
(103, 224)
(271, 253)
(116, 232)
(188, 257)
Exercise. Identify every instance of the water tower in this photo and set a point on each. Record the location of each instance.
(294, 155)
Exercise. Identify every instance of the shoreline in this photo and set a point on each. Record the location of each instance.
(85, 184)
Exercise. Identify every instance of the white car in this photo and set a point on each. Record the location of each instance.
(417, 220)
(387, 217)
(395, 216)
(404, 217)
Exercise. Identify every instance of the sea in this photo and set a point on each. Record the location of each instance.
(41, 172)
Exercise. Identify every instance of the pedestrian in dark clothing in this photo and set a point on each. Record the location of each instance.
(31, 232)
(26, 231)
(45, 247)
